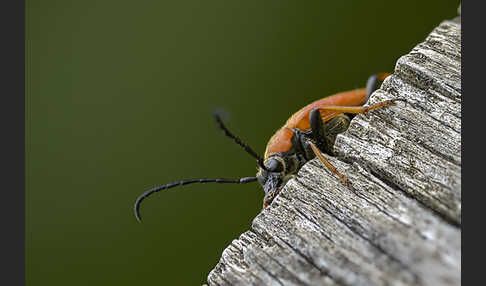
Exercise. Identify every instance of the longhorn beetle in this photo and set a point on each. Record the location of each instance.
(306, 134)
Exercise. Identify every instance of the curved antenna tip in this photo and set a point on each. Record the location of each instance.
(136, 210)
(136, 207)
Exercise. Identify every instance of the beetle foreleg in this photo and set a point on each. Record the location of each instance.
(328, 164)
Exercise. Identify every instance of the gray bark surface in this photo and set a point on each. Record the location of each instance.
(400, 223)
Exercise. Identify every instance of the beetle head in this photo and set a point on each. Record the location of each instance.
(274, 176)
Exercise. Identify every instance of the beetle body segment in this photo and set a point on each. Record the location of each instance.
(295, 143)
(281, 141)
(312, 131)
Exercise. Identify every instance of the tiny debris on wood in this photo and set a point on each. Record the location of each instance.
(400, 224)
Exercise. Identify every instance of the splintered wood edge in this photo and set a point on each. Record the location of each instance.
(400, 223)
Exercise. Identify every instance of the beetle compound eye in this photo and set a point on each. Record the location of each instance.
(273, 165)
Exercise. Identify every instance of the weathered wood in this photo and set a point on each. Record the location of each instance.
(400, 223)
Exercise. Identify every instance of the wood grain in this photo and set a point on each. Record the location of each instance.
(400, 223)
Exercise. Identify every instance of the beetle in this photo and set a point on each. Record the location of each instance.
(307, 134)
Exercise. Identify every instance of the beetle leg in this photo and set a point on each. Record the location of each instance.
(371, 86)
(358, 109)
(325, 134)
(317, 132)
(328, 164)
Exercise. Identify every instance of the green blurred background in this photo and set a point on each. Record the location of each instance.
(119, 96)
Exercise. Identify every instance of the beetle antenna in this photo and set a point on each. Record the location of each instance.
(239, 142)
(136, 207)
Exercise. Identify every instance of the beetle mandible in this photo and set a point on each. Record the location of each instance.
(307, 134)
